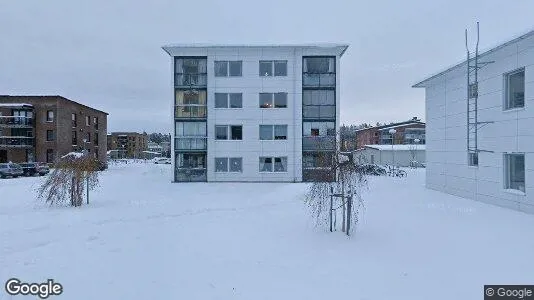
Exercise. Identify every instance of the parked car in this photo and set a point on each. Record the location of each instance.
(162, 160)
(10, 170)
(35, 168)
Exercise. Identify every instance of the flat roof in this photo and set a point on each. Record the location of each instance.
(342, 47)
(481, 54)
(403, 147)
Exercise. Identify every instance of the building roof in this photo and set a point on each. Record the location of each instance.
(413, 121)
(15, 105)
(34, 97)
(342, 47)
(480, 55)
(397, 147)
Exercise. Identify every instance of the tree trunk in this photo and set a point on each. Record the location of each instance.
(343, 220)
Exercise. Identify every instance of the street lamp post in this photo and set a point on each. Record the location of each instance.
(392, 133)
(86, 177)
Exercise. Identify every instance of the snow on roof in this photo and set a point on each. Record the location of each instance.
(401, 125)
(15, 104)
(75, 154)
(397, 147)
(151, 152)
(480, 55)
(342, 47)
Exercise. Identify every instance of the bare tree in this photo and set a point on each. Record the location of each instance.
(73, 174)
(336, 190)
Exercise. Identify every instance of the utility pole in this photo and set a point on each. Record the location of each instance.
(86, 175)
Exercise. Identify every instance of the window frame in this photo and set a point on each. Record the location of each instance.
(50, 133)
(50, 119)
(227, 64)
(273, 132)
(272, 100)
(228, 100)
(228, 164)
(472, 159)
(229, 135)
(506, 94)
(507, 173)
(272, 64)
(272, 159)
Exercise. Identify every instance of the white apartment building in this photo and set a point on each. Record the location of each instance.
(255, 113)
(492, 159)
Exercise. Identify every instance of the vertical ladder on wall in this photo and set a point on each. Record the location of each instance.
(473, 124)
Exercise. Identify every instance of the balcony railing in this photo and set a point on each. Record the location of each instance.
(190, 80)
(319, 143)
(190, 174)
(16, 122)
(190, 143)
(319, 80)
(191, 111)
(16, 142)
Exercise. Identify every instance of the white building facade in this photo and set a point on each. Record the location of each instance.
(501, 172)
(252, 113)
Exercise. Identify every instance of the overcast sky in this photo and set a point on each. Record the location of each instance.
(107, 53)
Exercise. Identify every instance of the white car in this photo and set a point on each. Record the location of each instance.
(162, 160)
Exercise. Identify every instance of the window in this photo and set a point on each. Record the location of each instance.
(228, 68)
(225, 164)
(49, 135)
(95, 122)
(515, 89)
(73, 118)
(228, 132)
(87, 120)
(96, 138)
(74, 138)
(88, 139)
(318, 129)
(231, 100)
(267, 66)
(50, 116)
(190, 104)
(319, 65)
(273, 132)
(514, 168)
(191, 129)
(319, 104)
(273, 164)
(472, 158)
(273, 100)
(50, 155)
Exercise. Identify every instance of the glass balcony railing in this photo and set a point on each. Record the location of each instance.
(191, 111)
(190, 80)
(319, 143)
(191, 174)
(16, 141)
(190, 143)
(319, 80)
(11, 121)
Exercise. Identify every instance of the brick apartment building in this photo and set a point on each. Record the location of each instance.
(127, 144)
(43, 128)
(406, 133)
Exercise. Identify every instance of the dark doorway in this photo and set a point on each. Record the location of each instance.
(3, 156)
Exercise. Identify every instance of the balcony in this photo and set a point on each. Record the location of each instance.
(318, 143)
(190, 143)
(16, 122)
(190, 80)
(191, 111)
(191, 174)
(16, 142)
(319, 80)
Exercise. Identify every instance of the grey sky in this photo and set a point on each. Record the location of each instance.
(106, 53)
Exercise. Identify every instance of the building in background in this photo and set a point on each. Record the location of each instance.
(480, 140)
(254, 113)
(43, 128)
(396, 155)
(407, 132)
(127, 144)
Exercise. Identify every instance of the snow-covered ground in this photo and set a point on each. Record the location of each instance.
(143, 237)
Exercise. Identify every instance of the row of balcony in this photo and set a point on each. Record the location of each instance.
(16, 142)
(309, 143)
(201, 80)
(16, 122)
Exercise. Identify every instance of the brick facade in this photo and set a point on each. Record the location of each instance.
(60, 126)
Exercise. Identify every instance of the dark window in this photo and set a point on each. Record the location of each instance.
(514, 165)
(232, 100)
(88, 137)
(515, 89)
(280, 132)
(50, 155)
(315, 132)
(266, 132)
(266, 164)
(50, 116)
(280, 100)
(221, 68)
(221, 164)
(266, 68)
(235, 68)
(266, 100)
(280, 164)
(221, 132)
(273, 132)
(319, 65)
(280, 68)
(96, 138)
(87, 120)
(74, 138)
(236, 100)
(237, 132)
(95, 122)
(49, 135)
(221, 100)
(236, 164)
